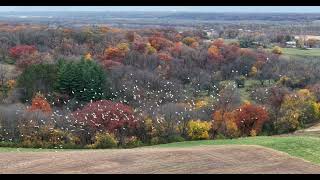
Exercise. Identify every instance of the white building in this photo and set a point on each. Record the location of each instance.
(291, 44)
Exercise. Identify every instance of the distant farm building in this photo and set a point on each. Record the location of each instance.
(291, 44)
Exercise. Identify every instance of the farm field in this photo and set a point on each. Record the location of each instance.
(173, 159)
(304, 147)
(301, 52)
(290, 154)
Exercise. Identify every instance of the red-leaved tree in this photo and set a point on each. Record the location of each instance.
(250, 118)
(20, 50)
(107, 116)
(24, 55)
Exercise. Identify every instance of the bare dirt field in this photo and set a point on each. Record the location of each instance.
(203, 159)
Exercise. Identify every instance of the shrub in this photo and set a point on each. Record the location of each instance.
(231, 126)
(220, 136)
(155, 141)
(164, 140)
(253, 133)
(175, 138)
(104, 140)
(132, 142)
(277, 50)
(47, 137)
(198, 130)
(144, 130)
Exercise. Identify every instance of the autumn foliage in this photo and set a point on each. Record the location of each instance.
(25, 55)
(113, 53)
(277, 50)
(198, 129)
(176, 49)
(160, 43)
(250, 118)
(218, 42)
(164, 57)
(215, 54)
(106, 116)
(20, 50)
(189, 41)
(114, 56)
(40, 103)
(224, 123)
(132, 83)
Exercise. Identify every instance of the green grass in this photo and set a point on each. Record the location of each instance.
(301, 52)
(296, 52)
(304, 147)
(227, 41)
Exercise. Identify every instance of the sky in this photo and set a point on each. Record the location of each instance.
(261, 9)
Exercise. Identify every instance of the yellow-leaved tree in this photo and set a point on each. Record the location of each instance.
(198, 130)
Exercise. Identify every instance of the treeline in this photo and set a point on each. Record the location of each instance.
(105, 87)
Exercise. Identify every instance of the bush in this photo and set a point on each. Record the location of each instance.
(46, 137)
(277, 50)
(220, 136)
(104, 141)
(198, 130)
(133, 142)
(175, 138)
(8, 144)
(158, 140)
(144, 130)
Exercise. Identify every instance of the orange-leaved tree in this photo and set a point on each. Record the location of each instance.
(215, 54)
(39, 102)
(250, 118)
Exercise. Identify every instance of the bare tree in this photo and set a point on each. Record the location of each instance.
(3, 75)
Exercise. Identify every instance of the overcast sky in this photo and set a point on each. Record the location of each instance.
(293, 9)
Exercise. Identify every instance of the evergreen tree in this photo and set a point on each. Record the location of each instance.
(84, 80)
